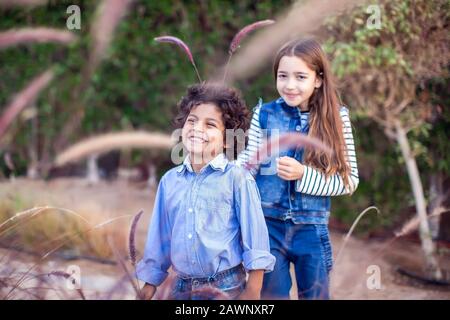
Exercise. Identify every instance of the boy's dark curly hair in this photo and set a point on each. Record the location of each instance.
(235, 114)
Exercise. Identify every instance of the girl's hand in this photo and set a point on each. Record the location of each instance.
(289, 169)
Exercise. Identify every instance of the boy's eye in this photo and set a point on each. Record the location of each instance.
(210, 124)
(191, 121)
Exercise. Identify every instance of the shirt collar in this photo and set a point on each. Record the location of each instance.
(290, 109)
(218, 163)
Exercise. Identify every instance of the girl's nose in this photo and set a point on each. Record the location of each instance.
(290, 84)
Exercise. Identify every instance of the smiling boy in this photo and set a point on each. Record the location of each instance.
(207, 219)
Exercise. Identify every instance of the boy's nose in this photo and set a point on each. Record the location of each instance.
(198, 126)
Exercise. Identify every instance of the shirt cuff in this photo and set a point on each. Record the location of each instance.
(258, 259)
(150, 275)
(301, 183)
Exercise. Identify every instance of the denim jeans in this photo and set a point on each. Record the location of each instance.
(231, 282)
(308, 247)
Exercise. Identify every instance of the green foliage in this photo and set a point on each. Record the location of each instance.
(139, 83)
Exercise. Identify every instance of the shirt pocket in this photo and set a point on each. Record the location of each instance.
(214, 215)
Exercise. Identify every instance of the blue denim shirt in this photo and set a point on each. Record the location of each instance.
(279, 197)
(205, 223)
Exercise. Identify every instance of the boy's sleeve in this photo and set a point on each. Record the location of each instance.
(314, 182)
(255, 140)
(152, 269)
(255, 237)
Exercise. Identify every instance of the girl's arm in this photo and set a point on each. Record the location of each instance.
(255, 140)
(313, 181)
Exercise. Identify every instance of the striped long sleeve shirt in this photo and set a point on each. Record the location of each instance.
(313, 181)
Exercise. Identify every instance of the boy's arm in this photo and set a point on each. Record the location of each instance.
(152, 269)
(255, 237)
(313, 181)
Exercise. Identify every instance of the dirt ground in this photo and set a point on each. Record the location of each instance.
(366, 269)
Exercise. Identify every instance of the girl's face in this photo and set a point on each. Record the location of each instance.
(296, 81)
(203, 133)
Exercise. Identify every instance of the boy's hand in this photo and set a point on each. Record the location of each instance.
(250, 294)
(289, 169)
(147, 292)
(252, 289)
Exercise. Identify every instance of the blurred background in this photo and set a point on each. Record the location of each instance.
(72, 70)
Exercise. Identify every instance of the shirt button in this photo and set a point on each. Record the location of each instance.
(190, 235)
(193, 261)
(190, 210)
(292, 197)
(297, 128)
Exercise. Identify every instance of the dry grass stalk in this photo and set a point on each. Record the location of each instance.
(66, 275)
(111, 141)
(36, 35)
(240, 36)
(285, 141)
(301, 19)
(182, 45)
(23, 99)
(33, 212)
(132, 237)
(413, 224)
(349, 233)
(16, 3)
(108, 16)
(245, 31)
(47, 254)
(122, 264)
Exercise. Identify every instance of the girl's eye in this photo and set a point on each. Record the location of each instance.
(211, 125)
(281, 76)
(191, 121)
(301, 77)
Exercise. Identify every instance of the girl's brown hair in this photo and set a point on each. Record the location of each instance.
(325, 121)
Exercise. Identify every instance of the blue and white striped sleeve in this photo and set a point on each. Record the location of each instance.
(313, 181)
(255, 140)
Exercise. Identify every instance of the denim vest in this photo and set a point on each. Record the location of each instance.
(278, 197)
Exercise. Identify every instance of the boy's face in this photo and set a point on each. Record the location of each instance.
(202, 133)
(296, 81)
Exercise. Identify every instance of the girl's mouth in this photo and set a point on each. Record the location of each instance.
(291, 96)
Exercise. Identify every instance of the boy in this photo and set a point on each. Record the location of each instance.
(207, 219)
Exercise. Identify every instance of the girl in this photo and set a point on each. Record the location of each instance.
(296, 194)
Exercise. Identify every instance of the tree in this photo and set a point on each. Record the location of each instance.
(382, 65)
